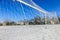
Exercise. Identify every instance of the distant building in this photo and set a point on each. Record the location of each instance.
(20, 23)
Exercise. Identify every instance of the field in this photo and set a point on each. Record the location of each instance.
(30, 32)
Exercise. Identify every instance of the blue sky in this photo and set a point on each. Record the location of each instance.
(12, 10)
(50, 5)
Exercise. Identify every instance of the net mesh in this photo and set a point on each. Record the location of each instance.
(22, 10)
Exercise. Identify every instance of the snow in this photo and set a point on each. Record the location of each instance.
(30, 32)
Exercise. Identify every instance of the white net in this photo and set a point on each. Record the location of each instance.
(25, 11)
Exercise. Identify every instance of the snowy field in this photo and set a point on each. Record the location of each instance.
(37, 32)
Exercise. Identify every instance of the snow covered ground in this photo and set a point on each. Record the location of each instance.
(37, 32)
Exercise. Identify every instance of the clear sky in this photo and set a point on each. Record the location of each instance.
(50, 5)
(12, 10)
